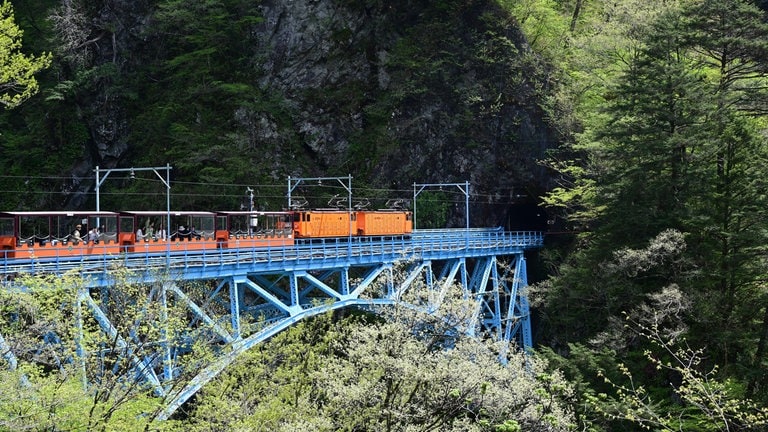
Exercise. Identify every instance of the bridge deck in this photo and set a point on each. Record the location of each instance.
(304, 255)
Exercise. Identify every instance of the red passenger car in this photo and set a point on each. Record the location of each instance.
(244, 229)
(145, 231)
(34, 235)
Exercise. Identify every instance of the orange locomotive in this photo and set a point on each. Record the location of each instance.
(340, 223)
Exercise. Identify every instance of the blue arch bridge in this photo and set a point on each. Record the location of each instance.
(234, 299)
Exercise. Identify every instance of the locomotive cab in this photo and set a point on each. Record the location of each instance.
(323, 223)
(384, 223)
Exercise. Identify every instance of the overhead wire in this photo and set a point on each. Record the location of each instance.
(453, 196)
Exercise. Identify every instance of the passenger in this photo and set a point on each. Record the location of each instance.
(194, 234)
(93, 235)
(150, 230)
(76, 232)
(139, 234)
(183, 232)
(160, 233)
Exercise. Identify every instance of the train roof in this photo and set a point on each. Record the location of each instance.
(330, 210)
(64, 213)
(252, 213)
(172, 212)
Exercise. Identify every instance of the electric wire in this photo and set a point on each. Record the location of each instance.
(449, 195)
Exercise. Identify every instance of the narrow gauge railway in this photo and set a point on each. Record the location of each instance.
(84, 234)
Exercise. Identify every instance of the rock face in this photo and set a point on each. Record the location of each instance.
(309, 46)
(394, 93)
(96, 41)
(477, 119)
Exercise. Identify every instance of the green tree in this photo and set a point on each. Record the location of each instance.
(17, 70)
(57, 356)
(641, 373)
(730, 39)
(432, 209)
(707, 401)
(675, 151)
(408, 371)
(636, 181)
(73, 373)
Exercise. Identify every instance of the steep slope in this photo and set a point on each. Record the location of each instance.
(231, 92)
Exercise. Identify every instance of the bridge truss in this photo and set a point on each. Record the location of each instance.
(232, 300)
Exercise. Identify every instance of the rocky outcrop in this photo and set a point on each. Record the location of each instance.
(478, 119)
(390, 92)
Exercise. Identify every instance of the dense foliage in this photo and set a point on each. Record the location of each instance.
(17, 70)
(655, 310)
(231, 96)
(366, 374)
(678, 145)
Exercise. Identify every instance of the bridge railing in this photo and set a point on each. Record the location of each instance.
(434, 244)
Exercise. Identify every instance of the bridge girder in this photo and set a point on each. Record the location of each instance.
(237, 307)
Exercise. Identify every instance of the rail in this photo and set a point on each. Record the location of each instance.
(425, 244)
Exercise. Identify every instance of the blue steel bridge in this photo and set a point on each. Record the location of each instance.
(252, 294)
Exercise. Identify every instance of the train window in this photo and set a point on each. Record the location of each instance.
(408, 216)
(34, 226)
(106, 224)
(126, 224)
(109, 225)
(354, 216)
(285, 222)
(202, 223)
(308, 216)
(6, 227)
(221, 223)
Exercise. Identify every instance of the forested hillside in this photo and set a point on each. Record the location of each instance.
(238, 93)
(638, 127)
(666, 187)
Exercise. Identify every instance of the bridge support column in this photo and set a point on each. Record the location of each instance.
(164, 334)
(525, 313)
(478, 287)
(235, 300)
(517, 319)
(79, 350)
(344, 281)
(294, 287)
(8, 355)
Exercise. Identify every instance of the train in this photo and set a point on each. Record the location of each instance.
(51, 234)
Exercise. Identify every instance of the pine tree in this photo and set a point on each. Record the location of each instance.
(639, 178)
(679, 152)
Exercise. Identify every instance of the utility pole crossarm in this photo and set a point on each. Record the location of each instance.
(166, 181)
(463, 187)
(294, 182)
